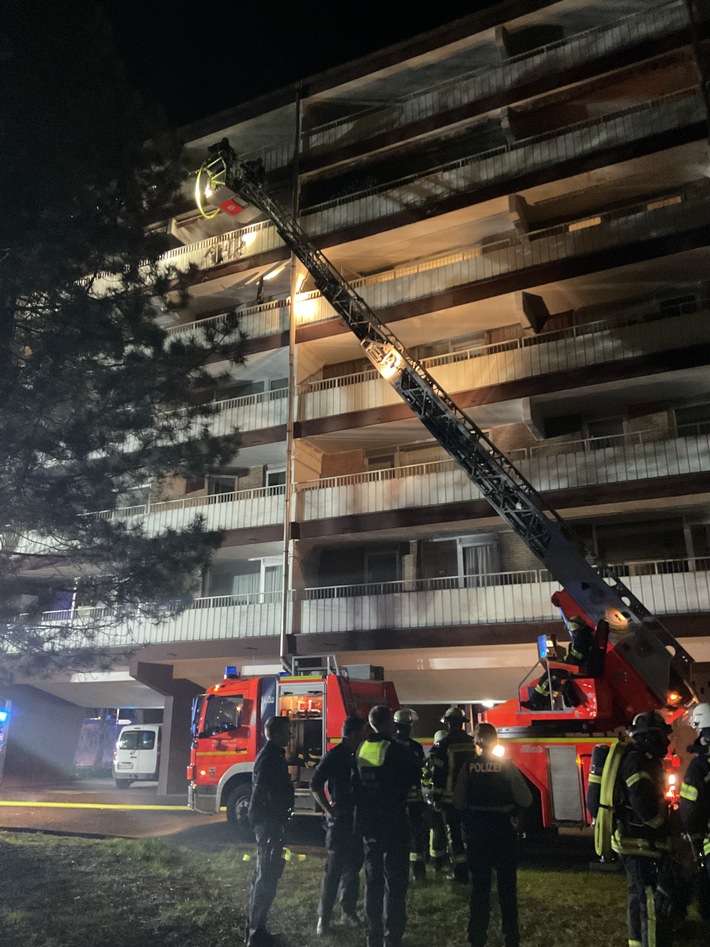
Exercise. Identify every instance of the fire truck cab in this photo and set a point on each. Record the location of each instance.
(228, 730)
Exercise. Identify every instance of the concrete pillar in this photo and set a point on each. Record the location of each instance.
(42, 737)
(175, 746)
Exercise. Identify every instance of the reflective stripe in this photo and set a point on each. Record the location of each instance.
(458, 860)
(656, 822)
(706, 847)
(372, 752)
(635, 777)
(415, 857)
(650, 918)
(635, 943)
(689, 792)
(595, 778)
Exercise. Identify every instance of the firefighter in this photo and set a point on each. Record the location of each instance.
(437, 826)
(344, 849)
(270, 808)
(385, 773)
(550, 685)
(489, 792)
(695, 804)
(641, 831)
(404, 719)
(446, 760)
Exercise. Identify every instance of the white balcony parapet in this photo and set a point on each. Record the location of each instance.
(666, 587)
(557, 466)
(598, 343)
(490, 79)
(468, 174)
(255, 321)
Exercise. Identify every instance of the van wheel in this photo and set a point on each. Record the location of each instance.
(238, 812)
(123, 783)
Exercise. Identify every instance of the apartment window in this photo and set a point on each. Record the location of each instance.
(277, 384)
(678, 305)
(381, 566)
(382, 460)
(604, 432)
(477, 558)
(258, 579)
(217, 485)
(275, 476)
(693, 420)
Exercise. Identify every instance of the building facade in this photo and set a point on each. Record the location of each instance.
(524, 195)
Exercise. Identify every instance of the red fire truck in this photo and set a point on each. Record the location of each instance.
(228, 729)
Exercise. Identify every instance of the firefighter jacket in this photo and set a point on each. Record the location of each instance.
(695, 799)
(417, 750)
(445, 760)
(581, 647)
(640, 810)
(385, 773)
(272, 790)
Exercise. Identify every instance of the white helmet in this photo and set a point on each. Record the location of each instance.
(406, 716)
(440, 734)
(700, 717)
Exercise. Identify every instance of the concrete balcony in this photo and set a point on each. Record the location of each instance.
(598, 343)
(666, 588)
(256, 322)
(492, 80)
(510, 161)
(249, 412)
(557, 466)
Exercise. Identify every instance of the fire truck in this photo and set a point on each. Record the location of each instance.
(228, 729)
(640, 665)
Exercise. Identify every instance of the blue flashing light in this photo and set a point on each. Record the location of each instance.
(231, 673)
(3, 716)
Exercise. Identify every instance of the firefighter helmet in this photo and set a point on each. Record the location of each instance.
(700, 717)
(406, 716)
(440, 734)
(647, 723)
(454, 713)
(576, 623)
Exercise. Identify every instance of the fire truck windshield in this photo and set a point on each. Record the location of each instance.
(223, 713)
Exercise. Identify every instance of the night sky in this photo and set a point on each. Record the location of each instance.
(199, 58)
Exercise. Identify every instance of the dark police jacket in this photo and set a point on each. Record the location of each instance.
(336, 771)
(490, 790)
(385, 773)
(272, 790)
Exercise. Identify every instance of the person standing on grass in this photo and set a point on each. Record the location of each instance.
(489, 792)
(270, 809)
(385, 773)
(332, 786)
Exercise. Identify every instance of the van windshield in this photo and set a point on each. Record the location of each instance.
(223, 713)
(137, 740)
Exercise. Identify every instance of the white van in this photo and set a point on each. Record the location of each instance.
(137, 754)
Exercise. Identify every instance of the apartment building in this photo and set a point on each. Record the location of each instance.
(524, 195)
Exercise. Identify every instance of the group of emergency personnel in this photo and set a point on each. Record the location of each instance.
(381, 796)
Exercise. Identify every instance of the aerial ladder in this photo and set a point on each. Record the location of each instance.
(637, 637)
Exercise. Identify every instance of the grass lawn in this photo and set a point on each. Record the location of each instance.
(68, 892)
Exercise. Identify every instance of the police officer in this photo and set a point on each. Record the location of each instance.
(695, 804)
(404, 719)
(447, 757)
(385, 773)
(437, 826)
(269, 810)
(345, 855)
(489, 791)
(641, 830)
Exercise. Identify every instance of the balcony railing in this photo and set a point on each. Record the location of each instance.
(561, 465)
(491, 79)
(255, 321)
(667, 587)
(242, 509)
(599, 343)
(467, 175)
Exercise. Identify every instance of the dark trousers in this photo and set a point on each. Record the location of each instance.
(342, 869)
(417, 815)
(386, 881)
(457, 849)
(269, 868)
(646, 926)
(437, 838)
(491, 844)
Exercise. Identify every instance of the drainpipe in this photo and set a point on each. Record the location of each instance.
(286, 646)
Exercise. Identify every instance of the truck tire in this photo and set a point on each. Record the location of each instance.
(122, 783)
(237, 804)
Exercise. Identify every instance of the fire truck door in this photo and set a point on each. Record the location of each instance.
(565, 784)
(304, 704)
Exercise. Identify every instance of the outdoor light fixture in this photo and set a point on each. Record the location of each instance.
(498, 750)
(386, 358)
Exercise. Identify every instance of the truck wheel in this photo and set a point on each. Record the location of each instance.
(238, 812)
(123, 783)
